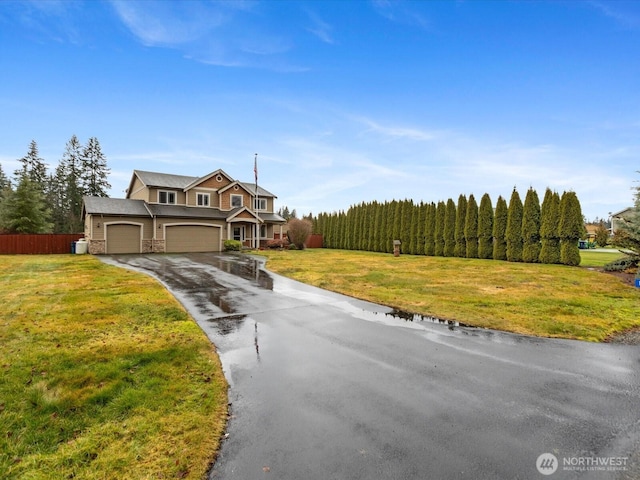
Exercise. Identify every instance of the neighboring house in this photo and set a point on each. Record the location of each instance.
(165, 213)
(618, 218)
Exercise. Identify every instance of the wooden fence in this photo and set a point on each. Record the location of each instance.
(44, 243)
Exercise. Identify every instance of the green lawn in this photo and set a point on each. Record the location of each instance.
(591, 258)
(534, 299)
(104, 375)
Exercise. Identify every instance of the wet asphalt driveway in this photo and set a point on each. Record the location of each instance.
(326, 387)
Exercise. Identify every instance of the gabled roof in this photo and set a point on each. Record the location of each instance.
(115, 206)
(251, 188)
(167, 180)
(237, 211)
(207, 177)
(621, 213)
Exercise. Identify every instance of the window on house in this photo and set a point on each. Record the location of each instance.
(167, 197)
(202, 199)
(260, 203)
(236, 201)
(238, 233)
(263, 231)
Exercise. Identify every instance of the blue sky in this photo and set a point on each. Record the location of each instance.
(344, 101)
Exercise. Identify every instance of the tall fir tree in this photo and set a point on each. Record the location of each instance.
(485, 228)
(450, 229)
(471, 228)
(94, 169)
(549, 228)
(5, 184)
(514, 228)
(33, 167)
(531, 227)
(571, 228)
(420, 230)
(441, 213)
(460, 249)
(500, 230)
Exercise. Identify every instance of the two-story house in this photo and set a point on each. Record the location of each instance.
(165, 213)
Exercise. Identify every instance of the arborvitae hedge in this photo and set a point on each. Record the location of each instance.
(533, 231)
(450, 229)
(514, 228)
(571, 228)
(430, 230)
(460, 249)
(485, 228)
(441, 213)
(531, 227)
(471, 228)
(500, 230)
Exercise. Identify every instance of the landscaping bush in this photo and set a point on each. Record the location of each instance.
(232, 245)
(299, 230)
(278, 243)
(622, 264)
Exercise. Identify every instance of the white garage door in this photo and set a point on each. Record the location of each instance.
(192, 238)
(123, 238)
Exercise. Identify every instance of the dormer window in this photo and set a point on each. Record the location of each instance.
(202, 199)
(167, 197)
(236, 201)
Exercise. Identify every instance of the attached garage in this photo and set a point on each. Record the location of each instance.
(192, 238)
(123, 238)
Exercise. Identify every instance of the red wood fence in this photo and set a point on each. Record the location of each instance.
(38, 243)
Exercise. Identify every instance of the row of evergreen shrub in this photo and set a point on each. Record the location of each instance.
(517, 232)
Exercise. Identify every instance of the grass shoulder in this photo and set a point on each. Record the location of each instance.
(534, 299)
(104, 375)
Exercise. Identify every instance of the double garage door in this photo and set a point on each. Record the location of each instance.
(127, 238)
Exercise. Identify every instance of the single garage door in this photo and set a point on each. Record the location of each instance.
(123, 238)
(192, 238)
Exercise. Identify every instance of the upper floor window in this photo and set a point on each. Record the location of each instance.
(260, 203)
(167, 197)
(202, 199)
(236, 201)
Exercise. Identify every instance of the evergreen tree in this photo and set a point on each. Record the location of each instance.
(377, 228)
(68, 180)
(500, 230)
(549, 223)
(413, 237)
(94, 169)
(34, 168)
(430, 230)
(450, 229)
(485, 228)
(628, 234)
(5, 184)
(25, 209)
(405, 234)
(571, 229)
(439, 228)
(420, 230)
(471, 228)
(514, 228)
(531, 227)
(460, 249)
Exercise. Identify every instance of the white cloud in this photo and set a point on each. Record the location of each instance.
(320, 28)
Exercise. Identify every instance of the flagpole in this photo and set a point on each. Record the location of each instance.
(256, 203)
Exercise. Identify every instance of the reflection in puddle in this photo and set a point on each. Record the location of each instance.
(229, 324)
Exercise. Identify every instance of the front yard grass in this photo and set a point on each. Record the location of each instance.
(534, 299)
(103, 375)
